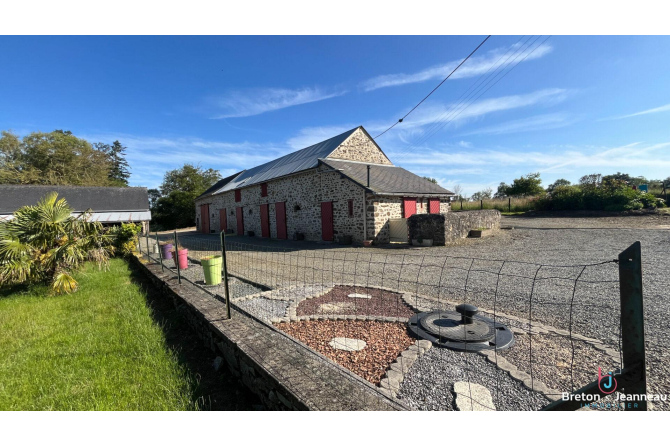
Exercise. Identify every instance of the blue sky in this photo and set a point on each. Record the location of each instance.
(569, 106)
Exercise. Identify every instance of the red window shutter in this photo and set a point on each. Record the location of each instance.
(434, 206)
(264, 189)
(351, 208)
(409, 207)
(238, 195)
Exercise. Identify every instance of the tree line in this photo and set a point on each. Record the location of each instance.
(615, 192)
(61, 158)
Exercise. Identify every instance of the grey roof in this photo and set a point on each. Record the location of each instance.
(80, 198)
(218, 185)
(304, 159)
(387, 179)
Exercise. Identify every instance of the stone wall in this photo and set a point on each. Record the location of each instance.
(303, 194)
(359, 147)
(382, 208)
(283, 373)
(444, 228)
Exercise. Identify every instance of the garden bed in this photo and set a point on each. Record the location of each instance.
(384, 341)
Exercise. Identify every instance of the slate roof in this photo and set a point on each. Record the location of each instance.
(387, 178)
(81, 198)
(307, 158)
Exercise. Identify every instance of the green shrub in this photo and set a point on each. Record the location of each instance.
(45, 243)
(613, 196)
(124, 238)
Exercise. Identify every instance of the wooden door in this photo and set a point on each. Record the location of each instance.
(327, 229)
(433, 205)
(223, 220)
(204, 216)
(265, 220)
(409, 207)
(239, 213)
(280, 216)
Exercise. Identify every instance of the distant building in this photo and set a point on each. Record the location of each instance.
(344, 187)
(109, 205)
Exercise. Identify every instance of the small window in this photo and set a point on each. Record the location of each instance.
(238, 195)
(351, 208)
(264, 189)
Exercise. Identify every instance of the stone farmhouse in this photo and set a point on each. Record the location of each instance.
(342, 189)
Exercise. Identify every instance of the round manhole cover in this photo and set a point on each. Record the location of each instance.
(448, 325)
(463, 330)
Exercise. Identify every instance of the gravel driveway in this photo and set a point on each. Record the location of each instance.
(499, 272)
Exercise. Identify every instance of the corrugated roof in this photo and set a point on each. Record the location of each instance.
(218, 185)
(304, 159)
(80, 198)
(386, 179)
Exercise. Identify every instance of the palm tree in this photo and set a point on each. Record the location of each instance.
(46, 243)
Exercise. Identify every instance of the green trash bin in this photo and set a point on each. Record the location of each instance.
(211, 266)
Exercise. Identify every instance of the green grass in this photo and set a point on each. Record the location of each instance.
(96, 349)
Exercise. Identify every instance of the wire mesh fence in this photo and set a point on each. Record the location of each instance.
(356, 307)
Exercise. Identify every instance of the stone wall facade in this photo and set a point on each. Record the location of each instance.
(303, 194)
(379, 209)
(359, 147)
(448, 227)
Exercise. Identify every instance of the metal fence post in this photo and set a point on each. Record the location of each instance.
(146, 237)
(160, 253)
(509, 204)
(481, 203)
(632, 324)
(225, 271)
(176, 256)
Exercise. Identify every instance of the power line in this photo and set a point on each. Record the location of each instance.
(434, 89)
(460, 107)
(451, 116)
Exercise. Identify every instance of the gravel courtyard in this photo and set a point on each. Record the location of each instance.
(496, 273)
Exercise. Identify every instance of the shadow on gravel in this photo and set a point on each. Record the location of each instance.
(213, 390)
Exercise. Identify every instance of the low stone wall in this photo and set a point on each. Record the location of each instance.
(444, 228)
(285, 374)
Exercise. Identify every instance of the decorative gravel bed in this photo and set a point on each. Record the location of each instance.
(264, 308)
(552, 358)
(384, 342)
(337, 301)
(428, 385)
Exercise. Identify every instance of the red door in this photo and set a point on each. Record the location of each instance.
(265, 220)
(409, 207)
(204, 215)
(327, 221)
(239, 213)
(433, 205)
(280, 215)
(223, 220)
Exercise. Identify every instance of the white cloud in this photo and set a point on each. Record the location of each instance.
(533, 123)
(663, 108)
(455, 114)
(473, 67)
(311, 135)
(150, 157)
(478, 168)
(251, 102)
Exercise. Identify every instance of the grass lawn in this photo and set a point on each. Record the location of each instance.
(97, 349)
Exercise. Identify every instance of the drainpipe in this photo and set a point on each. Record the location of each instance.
(365, 209)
